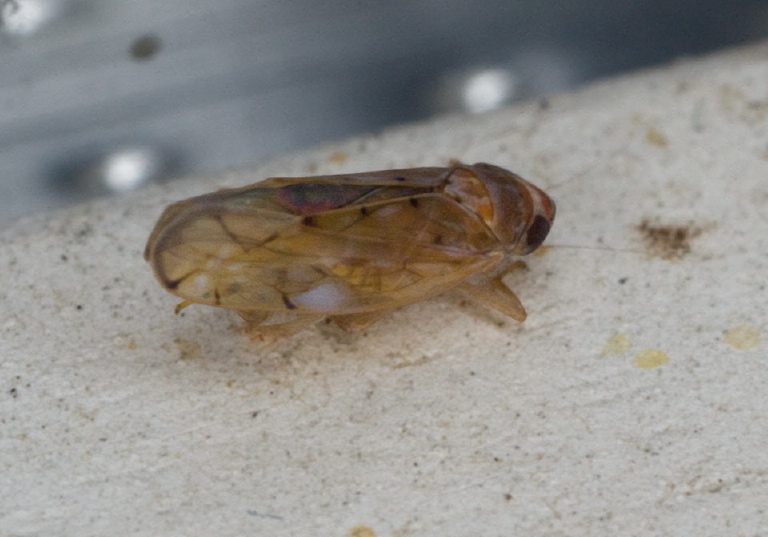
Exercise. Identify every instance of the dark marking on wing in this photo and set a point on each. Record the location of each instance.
(231, 235)
(246, 244)
(288, 304)
(272, 237)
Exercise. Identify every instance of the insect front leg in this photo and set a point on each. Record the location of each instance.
(492, 292)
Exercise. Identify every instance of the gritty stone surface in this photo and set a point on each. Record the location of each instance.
(119, 418)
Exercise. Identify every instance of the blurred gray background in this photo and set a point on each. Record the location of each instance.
(103, 96)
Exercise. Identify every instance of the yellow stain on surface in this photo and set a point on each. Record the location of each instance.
(650, 359)
(655, 137)
(617, 345)
(188, 350)
(339, 157)
(743, 337)
(362, 531)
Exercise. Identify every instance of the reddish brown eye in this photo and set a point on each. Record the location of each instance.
(537, 232)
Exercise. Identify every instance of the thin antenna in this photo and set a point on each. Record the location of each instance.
(545, 247)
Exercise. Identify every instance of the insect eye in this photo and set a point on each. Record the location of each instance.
(537, 232)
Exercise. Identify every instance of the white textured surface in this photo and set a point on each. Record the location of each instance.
(119, 418)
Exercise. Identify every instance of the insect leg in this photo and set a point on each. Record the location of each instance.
(181, 306)
(254, 317)
(356, 322)
(271, 333)
(494, 294)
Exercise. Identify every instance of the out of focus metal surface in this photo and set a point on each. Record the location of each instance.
(106, 95)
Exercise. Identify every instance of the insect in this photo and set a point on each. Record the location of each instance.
(286, 253)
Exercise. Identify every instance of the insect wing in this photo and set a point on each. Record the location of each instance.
(317, 245)
(419, 177)
(390, 253)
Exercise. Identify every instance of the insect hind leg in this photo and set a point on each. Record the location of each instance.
(493, 293)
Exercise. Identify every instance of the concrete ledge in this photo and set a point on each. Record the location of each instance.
(632, 401)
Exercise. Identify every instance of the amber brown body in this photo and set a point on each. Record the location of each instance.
(287, 252)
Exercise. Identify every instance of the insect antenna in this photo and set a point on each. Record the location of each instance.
(542, 250)
(552, 188)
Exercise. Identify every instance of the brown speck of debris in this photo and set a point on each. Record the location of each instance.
(338, 158)
(668, 241)
(188, 350)
(655, 137)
